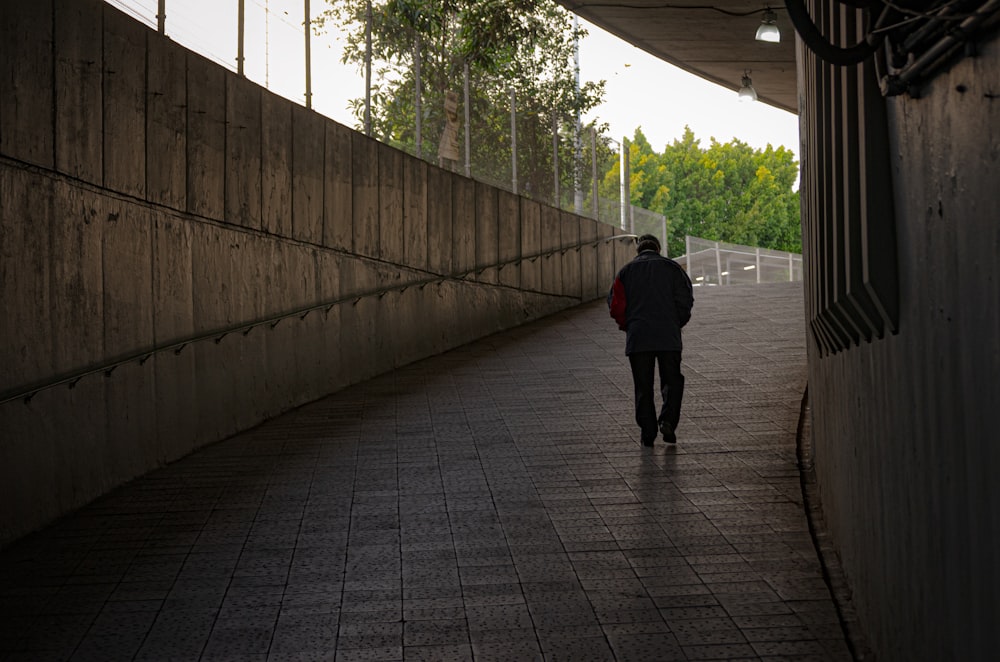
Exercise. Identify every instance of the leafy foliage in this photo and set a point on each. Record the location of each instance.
(524, 46)
(726, 192)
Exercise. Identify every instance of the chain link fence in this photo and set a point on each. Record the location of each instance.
(536, 154)
(710, 263)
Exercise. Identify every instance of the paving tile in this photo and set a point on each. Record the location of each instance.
(792, 648)
(379, 654)
(433, 633)
(122, 623)
(230, 640)
(454, 653)
(101, 648)
(727, 652)
(498, 617)
(521, 650)
(651, 647)
(372, 616)
(480, 529)
(578, 649)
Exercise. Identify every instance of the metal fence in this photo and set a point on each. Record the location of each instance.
(270, 43)
(644, 221)
(710, 263)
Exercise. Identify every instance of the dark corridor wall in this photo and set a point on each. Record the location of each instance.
(149, 197)
(906, 441)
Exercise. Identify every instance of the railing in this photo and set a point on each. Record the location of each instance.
(710, 263)
(26, 393)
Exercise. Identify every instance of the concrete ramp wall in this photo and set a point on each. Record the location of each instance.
(905, 428)
(214, 255)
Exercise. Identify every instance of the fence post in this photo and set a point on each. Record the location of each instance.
(240, 22)
(368, 68)
(513, 142)
(555, 159)
(791, 268)
(468, 127)
(666, 249)
(417, 98)
(309, 93)
(577, 149)
(624, 186)
(718, 264)
(758, 265)
(593, 166)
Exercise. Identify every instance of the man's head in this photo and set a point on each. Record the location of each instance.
(647, 242)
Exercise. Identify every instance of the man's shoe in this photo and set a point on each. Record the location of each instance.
(668, 432)
(648, 443)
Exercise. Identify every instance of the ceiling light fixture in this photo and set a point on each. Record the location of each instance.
(768, 29)
(747, 93)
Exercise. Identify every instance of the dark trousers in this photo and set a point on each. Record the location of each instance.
(671, 390)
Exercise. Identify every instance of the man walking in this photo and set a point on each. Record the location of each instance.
(651, 300)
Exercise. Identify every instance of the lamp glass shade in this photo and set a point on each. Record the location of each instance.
(747, 93)
(768, 32)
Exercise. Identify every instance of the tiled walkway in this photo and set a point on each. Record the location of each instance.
(492, 503)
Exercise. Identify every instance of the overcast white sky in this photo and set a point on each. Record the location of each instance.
(662, 99)
(641, 90)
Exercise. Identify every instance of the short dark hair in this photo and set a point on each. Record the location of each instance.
(647, 242)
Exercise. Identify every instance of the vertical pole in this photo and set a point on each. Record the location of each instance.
(513, 142)
(666, 250)
(417, 98)
(718, 263)
(791, 268)
(555, 159)
(468, 124)
(368, 67)
(626, 201)
(239, 37)
(593, 167)
(758, 265)
(267, 45)
(161, 16)
(578, 151)
(309, 93)
(687, 253)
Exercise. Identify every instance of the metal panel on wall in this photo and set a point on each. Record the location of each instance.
(849, 234)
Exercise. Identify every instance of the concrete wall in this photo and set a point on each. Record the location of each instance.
(148, 196)
(905, 428)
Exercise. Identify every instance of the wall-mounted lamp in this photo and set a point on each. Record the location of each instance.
(768, 29)
(747, 93)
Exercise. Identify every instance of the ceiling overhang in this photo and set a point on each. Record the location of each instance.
(713, 40)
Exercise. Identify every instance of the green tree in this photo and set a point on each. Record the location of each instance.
(727, 191)
(521, 45)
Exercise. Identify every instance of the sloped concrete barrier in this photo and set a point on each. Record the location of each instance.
(156, 208)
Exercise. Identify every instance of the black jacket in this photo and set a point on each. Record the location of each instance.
(651, 300)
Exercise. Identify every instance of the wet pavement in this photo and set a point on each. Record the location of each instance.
(491, 503)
